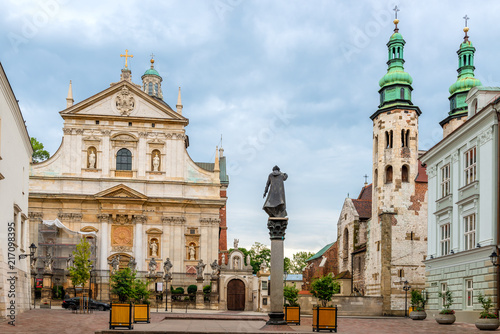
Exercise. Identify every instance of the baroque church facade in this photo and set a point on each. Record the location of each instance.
(123, 178)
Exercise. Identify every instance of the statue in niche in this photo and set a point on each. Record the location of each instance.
(167, 265)
(192, 252)
(154, 248)
(91, 159)
(236, 263)
(235, 243)
(223, 262)
(275, 205)
(215, 268)
(199, 269)
(248, 259)
(156, 162)
(152, 267)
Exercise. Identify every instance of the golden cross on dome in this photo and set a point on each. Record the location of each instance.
(466, 18)
(126, 55)
(396, 10)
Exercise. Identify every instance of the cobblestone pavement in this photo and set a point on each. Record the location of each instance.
(64, 321)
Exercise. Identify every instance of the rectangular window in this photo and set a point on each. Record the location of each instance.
(469, 293)
(443, 292)
(445, 239)
(470, 231)
(264, 285)
(470, 166)
(445, 180)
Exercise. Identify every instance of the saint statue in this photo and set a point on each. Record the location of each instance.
(69, 260)
(132, 264)
(223, 262)
(235, 243)
(167, 265)
(156, 162)
(215, 268)
(199, 269)
(115, 263)
(92, 159)
(154, 248)
(48, 262)
(152, 267)
(248, 259)
(275, 205)
(192, 252)
(236, 263)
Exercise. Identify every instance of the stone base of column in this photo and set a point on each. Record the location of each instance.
(276, 318)
(200, 302)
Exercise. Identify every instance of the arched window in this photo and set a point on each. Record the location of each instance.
(376, 145)
(156, 89)
(402, 93)
(150, 88)
(91, 157)
(375, 179)
(391, 137)
(405, 173)
(407, 138)
(388, 174)
(346, 243)
(124, 160)
(474, 107)
(155, 161)
(387, 141)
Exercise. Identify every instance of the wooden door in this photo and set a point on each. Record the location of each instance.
(236, 295)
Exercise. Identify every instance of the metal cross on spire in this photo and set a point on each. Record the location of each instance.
(152, 55)
(396, 10)
(366, 178)
(126, 55)
(466, 18)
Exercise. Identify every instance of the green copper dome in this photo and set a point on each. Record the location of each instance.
(152, 71)
(464, 85)
(396, 35)
(395, 76)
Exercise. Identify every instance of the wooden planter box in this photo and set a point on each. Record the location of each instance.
(142, 313)
(121, 315)
(324, 318)
(292, 314)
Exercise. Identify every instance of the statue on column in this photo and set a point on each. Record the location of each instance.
(152, 267)
(154, 248)
(199, 269)
(115, 264)
(275, 205)
(235, 243)
(48, 262)
(236, 262)
(132, 264)
(248, 260)
(215, 269)
(167, 265)
(223, 261)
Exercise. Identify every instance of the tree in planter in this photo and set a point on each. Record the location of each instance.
(141, 291)
(417, 301)
(447, 302)
(291, 294)
(80, 271)
(324, 288)
(123, 284)
(486, 304)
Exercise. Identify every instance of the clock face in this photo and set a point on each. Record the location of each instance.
(122, 236)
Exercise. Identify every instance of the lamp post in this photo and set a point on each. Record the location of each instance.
(406, 287)
(31, 254)
(32, 257)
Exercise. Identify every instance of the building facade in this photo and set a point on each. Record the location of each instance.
(15, 157)
(123, 172)
(463, 208)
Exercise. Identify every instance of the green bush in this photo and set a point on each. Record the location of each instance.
(448, 301)
(192, 288)
(417, 301)
(141, 291)
(123, 284)
(324, 288)
(178, 291)
(291, 294)
(486, 305)
(58, 292)
(207, 289)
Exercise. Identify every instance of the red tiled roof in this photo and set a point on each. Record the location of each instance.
(366, 193)
(422, 173)
(363, 207)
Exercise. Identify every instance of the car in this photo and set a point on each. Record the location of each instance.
(74, 304)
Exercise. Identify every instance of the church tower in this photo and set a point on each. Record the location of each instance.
(396, 236)
(459, 90)
(151, 81)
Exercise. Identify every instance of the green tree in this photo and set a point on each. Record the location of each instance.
(259, 253)
(80, 271)
(291, 294)
(123, 284)
(287, 266)
(141, 291)
(299, 261)
(324, 288)
(39, 154)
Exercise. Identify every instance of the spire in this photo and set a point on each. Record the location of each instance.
(465, 80)
(179, 103)
(69, 99)
(395, 85)
(151, 81)
(216, 165)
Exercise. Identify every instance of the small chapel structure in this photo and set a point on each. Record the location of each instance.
(123, 178)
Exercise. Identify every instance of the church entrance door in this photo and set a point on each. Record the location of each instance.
(236, 295)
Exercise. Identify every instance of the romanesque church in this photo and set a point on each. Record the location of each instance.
(123, 178)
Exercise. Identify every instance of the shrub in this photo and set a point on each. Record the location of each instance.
(207, 289)
(324, 288)
(178, 291)
(448, 301)
(417, 301)
(123, 284)
(486, 305)
(141, 291)
(192, 288)
(291, 294)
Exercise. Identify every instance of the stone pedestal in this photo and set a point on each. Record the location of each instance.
(277, 227)
(200, 303)
(46, 290)
(214, 294)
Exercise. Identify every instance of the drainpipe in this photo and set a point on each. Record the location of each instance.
(352, 273)
(498, 205)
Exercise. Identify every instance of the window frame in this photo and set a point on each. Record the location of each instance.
(444, 287)
(470, 227)
(445, 238)
(469, 293)
(470, 165)
(445, 180)
(127, 163)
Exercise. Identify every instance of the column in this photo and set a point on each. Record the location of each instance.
(277, 227)
(103, 229)
(142, 155)
(138, 242)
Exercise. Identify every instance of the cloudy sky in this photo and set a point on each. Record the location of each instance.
(291, 83)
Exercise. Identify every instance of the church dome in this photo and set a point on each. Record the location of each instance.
(395, 36)
(395, 76)
(151, 82)
(464, 84)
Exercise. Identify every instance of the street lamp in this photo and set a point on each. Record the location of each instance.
(406, 288)
(494, 258)
(31, 254)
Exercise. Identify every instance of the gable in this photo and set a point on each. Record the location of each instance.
(123, 100)
(120, 191)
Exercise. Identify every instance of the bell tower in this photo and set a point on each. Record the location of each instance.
(151, 81)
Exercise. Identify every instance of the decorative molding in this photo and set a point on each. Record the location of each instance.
(431, 171)
(277, 227)
(121, 249)
(125, 101)
(36, 216)
(69, 216)
(173, 220)
(122, 220)
(154, 231)
(143, 134)
(67, 131)
(486, 136)
(207, 221)
(103, 218)
(79, 131)
(89, 229)
(106, 132)
(139, 219)
(454, 157)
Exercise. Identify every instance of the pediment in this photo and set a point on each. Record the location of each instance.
(120, 191)
(123, 100)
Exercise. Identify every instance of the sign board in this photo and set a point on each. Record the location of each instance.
(39, 282)
(159, 287)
